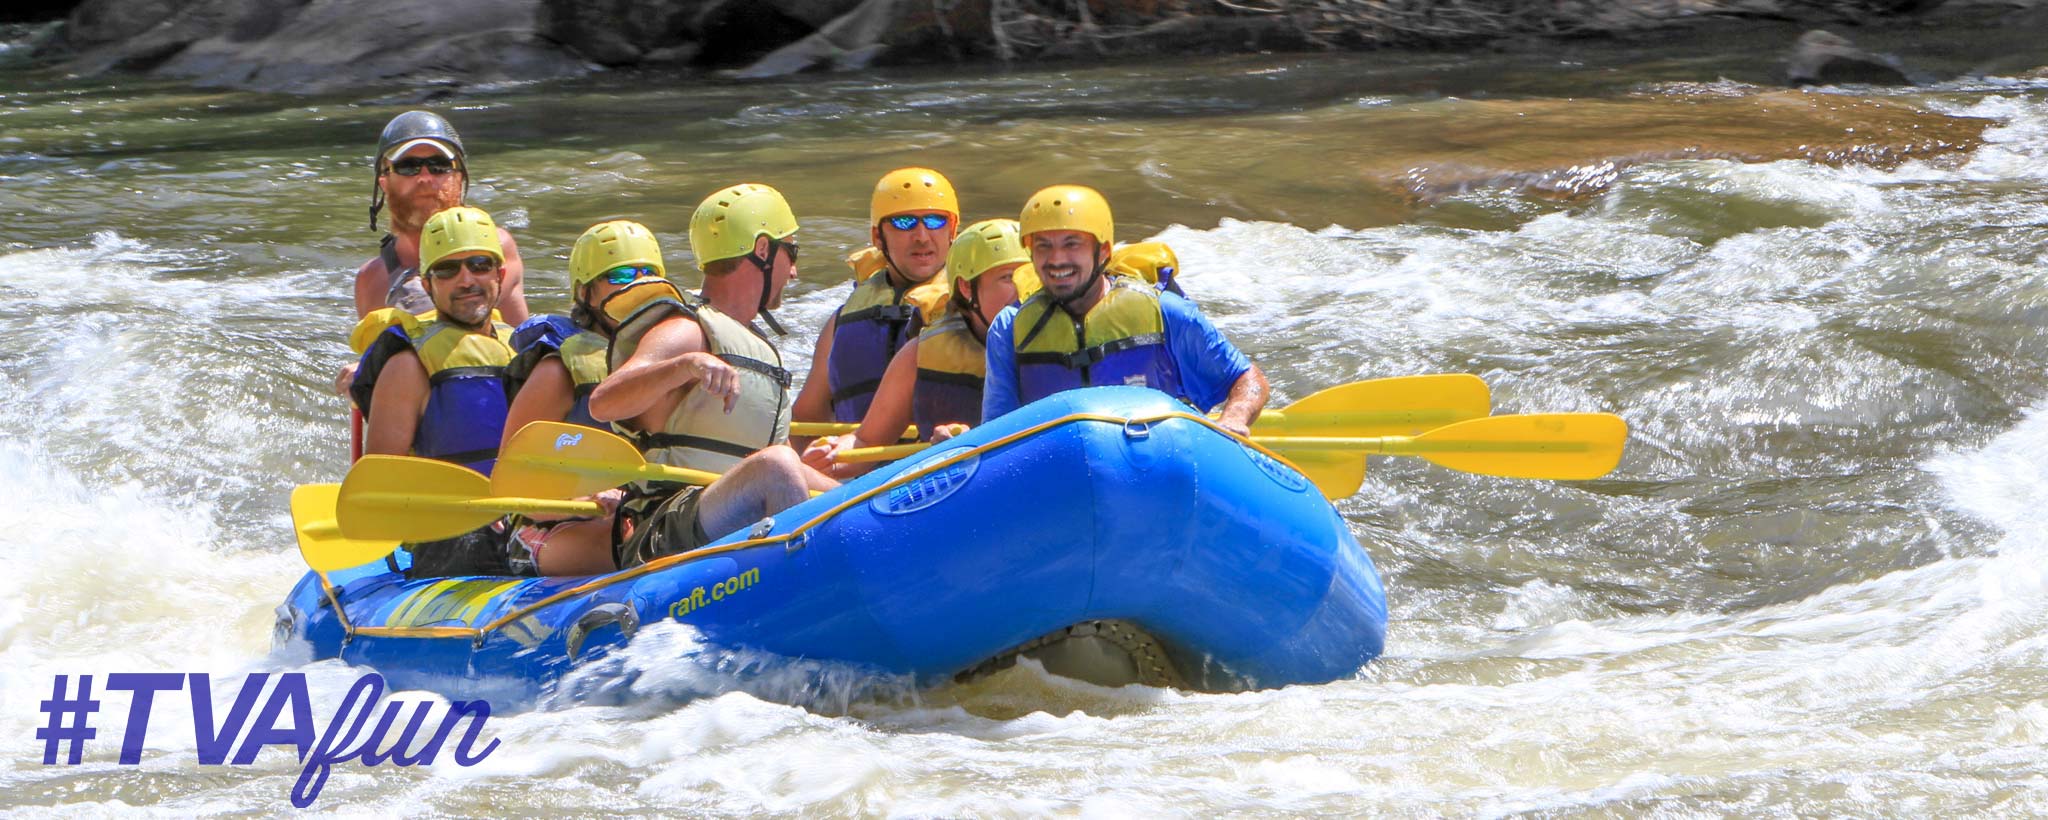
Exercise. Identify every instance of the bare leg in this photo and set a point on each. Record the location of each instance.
(761, 485)
(578, 548)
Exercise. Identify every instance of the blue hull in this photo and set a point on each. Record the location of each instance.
(1048, 517)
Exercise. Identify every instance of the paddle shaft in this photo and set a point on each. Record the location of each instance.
(498, 504)
(1424, 417)
(1389, 445)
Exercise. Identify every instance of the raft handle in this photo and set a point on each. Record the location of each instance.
(599, 616)
(1135, 429)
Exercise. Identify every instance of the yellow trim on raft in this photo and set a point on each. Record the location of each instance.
(667, 561)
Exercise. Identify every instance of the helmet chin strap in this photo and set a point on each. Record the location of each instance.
(767, 266)
(971, 307)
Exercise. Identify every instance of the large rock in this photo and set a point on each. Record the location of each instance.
(621, 32)
(314, 45)
(1825, 58)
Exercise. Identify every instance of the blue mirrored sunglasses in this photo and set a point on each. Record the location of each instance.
(625, 274)
(904, 222)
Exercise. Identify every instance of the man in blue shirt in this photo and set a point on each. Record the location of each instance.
(1086, 328)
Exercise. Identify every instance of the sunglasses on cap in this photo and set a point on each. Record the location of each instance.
(412, 166)
(625, 274)
(904, 222)
(476, 264)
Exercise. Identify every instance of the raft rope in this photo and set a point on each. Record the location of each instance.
(799, 534)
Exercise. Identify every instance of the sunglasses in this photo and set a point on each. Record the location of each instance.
(790, 244)
(625, 274)
(476, 264)
(904, 222)
(412, 166)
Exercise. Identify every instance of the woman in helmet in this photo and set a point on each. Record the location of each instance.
(560, 362)
(936, 379)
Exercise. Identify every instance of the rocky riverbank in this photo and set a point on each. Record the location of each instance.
(316, 46)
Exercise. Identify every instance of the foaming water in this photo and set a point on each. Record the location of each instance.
(1814, 586)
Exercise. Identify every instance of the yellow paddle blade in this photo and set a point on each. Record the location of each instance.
(410, 499)
(552, 459)
(1566, 446)
(418, 499)
(320, 540)
(1398, 406)
(1337, 474)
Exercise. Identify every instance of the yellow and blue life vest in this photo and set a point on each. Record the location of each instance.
(951, 367)
(1121, 341)
(467, 397)
(582, 351)
(876, 321)
(699, 434)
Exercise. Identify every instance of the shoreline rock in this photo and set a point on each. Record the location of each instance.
(319, 46)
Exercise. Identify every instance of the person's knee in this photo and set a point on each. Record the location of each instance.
(779, 461)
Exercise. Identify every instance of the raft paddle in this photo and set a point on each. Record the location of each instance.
(551, 459)
(1557, 446)
(1564, 446)
(320, 540)
(420, 499)
(1401, 405)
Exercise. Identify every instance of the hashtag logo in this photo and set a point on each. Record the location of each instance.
(57, 707)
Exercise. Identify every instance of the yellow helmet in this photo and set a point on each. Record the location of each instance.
(1150, 261)
(459, 231)
(906, 190)
(1069, 208)
(984, 245)
(727, 222)
(608, 245)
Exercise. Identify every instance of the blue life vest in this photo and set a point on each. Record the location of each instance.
(467, 398)
(1121, 341)
(876, 321)
(951, 366)
(581, 351)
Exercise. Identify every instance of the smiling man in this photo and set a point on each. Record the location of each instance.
(913, 216)
(1088, 327)
(436, 389)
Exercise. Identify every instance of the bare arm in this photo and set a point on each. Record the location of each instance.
(512, 298)
(372, 280)
(1247, 398)
(548, 395)
(670, 356)
(888, 416)
(814, 401)
(395, 406)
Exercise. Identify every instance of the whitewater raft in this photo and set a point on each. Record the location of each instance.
(1109, 532)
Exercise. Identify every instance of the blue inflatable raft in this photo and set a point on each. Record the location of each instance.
(1109, 532)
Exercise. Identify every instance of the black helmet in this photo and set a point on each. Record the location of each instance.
(406, 128)
(416, 125)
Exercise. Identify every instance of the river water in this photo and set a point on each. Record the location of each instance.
(1818, 583)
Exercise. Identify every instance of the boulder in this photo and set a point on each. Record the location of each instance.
(1825, 58)
(308, 46)
(622, 32)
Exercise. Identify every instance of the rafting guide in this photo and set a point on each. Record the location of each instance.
(288, 704)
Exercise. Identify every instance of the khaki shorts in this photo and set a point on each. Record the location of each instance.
(661, 526)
